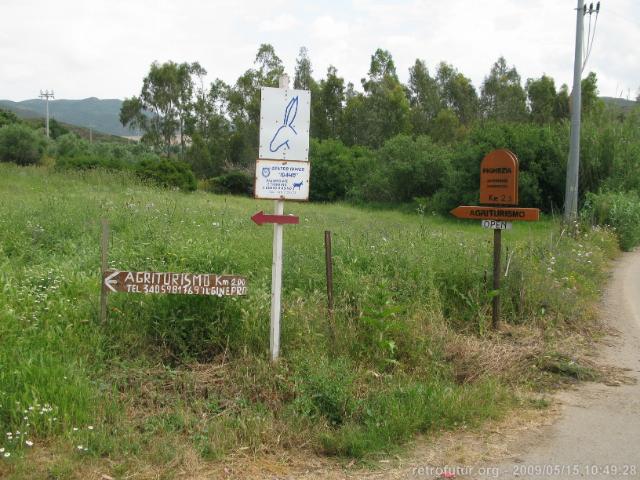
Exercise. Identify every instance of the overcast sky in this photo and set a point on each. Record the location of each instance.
(104, 48)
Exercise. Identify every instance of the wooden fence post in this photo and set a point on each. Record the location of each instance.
(104, 256)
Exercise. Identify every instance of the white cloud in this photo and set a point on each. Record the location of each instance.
(104, 47)
(282, 23)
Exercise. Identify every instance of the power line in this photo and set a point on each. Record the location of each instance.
(590, 37)
(47, 95)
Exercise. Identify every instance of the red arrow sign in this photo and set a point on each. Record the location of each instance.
(495, 213)
(261, 218)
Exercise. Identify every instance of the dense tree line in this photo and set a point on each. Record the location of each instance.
(386, 141)
(219, 122)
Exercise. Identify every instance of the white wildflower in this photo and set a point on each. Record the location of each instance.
(28, 443)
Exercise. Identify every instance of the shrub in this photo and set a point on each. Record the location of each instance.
(236, 182)
(20, 144)
(404, 168)
(87, 161)
(334, 168)
(166, 172)
(7, 118)
(620, 210)
(70, 145)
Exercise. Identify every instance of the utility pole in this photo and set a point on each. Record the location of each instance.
(573, 165)
(46, 95)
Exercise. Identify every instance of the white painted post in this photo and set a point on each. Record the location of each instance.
(276, 269)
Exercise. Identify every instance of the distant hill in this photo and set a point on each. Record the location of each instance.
(622, 103)
(99, 115)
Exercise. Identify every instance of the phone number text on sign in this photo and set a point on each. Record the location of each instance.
(282, 180)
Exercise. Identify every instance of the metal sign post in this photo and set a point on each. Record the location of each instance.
(276, 268)
(276, 284)
(282, 173)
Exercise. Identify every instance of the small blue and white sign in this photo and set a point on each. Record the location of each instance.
(282, 180)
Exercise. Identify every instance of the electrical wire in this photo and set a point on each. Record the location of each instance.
(585, 50)
(590, 42)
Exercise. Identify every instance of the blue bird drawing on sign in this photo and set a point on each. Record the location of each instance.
(287, 130)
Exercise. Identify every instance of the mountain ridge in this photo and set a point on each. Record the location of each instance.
(102, 115)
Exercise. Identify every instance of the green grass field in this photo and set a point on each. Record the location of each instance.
(409, 349)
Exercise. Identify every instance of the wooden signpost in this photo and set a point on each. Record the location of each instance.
(499, 178)
(493, 213)
(282, 173)
(206, 284)
(498, 186)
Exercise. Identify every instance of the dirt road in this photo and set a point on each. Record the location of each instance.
(598, 432)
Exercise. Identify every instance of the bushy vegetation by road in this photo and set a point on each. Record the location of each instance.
(170, 379)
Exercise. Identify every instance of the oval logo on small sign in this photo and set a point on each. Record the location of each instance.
(499, 178)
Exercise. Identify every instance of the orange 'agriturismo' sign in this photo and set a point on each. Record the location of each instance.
(499, 178)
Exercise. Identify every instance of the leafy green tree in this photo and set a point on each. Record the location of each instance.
(424, 98)
(542, 98)
(590, 100)
(21, 144)
(354, 126)
(163, 106)
(303, 78)
(244, 104)
(503, 97)
(7, 118)
(332, 93)
(386, 108)
(446, 127)
(457, 93)
(209, 130)
(561, 108)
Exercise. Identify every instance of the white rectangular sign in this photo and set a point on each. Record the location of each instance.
(284, 124)
(496, 224)
(282, 180)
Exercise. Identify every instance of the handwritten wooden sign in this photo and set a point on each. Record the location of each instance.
(499, 178)
(174, 283)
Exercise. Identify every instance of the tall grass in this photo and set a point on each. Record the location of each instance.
(192, 372)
